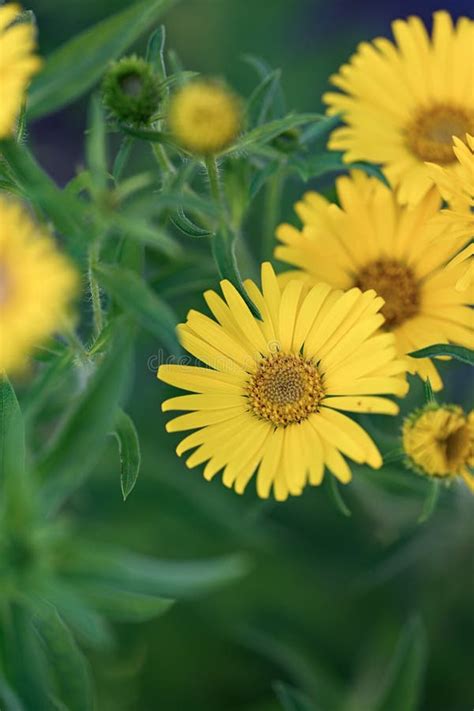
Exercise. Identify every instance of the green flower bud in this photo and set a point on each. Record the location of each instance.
(131, 91)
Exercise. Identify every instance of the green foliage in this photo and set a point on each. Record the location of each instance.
(465, 355)
(129, 451)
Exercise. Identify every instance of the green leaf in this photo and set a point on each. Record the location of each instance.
(65, 211)
(429, 394)
(263, 134)
(320, 129)
(82, 435)
(12, 435)
(155, 52)
(68, 664)
(337, 497)
(148, 576)
(465, 355)
(291, 699)
(136, 298)
(429, 505)
(96, 147)
(10, 701)
(79, 63)
(42, 387)
(262, 97)
(147, 234)
(320, 164)
(263, 70)
(187, 226)
(148, 134)
(223, 250)
(122, 605)
(403, 682)
(129, 451)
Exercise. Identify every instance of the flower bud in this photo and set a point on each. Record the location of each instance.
(131, 91)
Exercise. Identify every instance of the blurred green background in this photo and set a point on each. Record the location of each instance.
(326, 597)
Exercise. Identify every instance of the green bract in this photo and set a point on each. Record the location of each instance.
(131, 91)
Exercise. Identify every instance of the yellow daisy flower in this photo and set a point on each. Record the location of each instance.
(272, 397)
(36, 285)
(403, 101)
(205, 117)
(439, 442)
(458, 191)
(17, 65)
(374, 243)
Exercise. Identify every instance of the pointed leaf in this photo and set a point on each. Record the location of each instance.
(187, 226)
(79, 63)
(96, 148)
(135, 296)
(465, 355)
(264, 134)
(129, 451)
(430, 502)
(403, 683)
(82, 435)
(122, 605)
(68, 664)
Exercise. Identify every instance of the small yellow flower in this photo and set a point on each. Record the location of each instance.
(17, 65)
(439, 442)
(273, 395)
(458, 190)
(204, 117)
(372, 242)
(403, 101)
(36, 286)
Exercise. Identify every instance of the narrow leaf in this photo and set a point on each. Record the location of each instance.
(96, 150)
(337, 497)
(129, 451)
(122, 605)
(429, 394)
(79, 63)
(187, 226)
(147, 234)
(263, 70)
(263, 134)
(465, 355)
(136, 298)
(68, 664)
(261, 99)
(430, 502)
(403, 683)
(223, 250)
(156, 50)
(82, 435)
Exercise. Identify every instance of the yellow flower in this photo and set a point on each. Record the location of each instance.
(204, 117)
(458, 191)
(402, 102)
(272, 396)
(17, 65)
(36, 285)
(439, 442)
(373, 242)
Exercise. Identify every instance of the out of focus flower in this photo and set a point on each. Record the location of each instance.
(205, 117)
(36, 286)
(403, 101)
(131, 90)
(458, 190)
(372, 242)
(438, 441)
(18, 64)
(270, 400)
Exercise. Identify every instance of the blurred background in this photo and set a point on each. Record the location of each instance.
(327, 596)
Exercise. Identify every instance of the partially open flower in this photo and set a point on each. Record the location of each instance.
(131, 91)
(205, 117)
(439, 442)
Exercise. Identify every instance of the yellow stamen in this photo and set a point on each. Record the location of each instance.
(285, 389)
(430, 135)
(396, 284)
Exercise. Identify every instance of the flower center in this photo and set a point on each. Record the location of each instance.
(396, 284)
(457, 447)
(430, 135)
(131, 85)
(285, 389)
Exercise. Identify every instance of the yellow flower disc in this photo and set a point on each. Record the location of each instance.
(271, 401)
(36, 286)
(403, 101)
(371, 241)
(439, 442)
(204, 117)
(18, 64)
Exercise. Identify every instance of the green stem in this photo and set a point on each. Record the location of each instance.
(95, 289)
(76, 344)
(159, 151)
(271, 211)
(214, 183)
